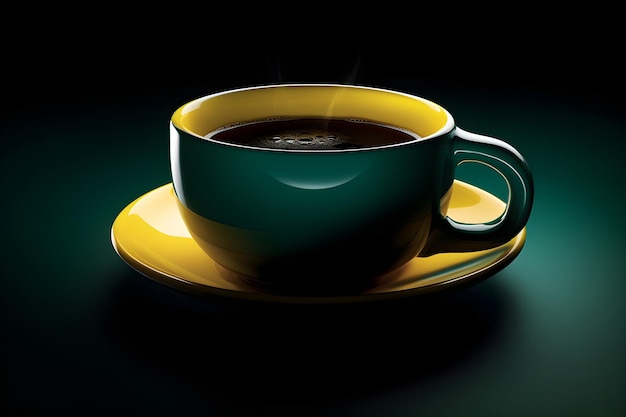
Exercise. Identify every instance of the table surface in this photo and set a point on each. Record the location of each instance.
(83, 332)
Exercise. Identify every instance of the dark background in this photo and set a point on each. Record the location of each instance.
(112, 56)
(86, 97)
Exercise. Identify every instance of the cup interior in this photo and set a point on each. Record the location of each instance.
(207, 114)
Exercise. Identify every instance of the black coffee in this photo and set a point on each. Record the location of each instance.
(312, 134)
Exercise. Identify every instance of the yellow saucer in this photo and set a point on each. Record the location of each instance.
(151, 237)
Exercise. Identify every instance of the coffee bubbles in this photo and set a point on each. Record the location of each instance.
(303, 140)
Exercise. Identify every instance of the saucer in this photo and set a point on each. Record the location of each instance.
(151, 237)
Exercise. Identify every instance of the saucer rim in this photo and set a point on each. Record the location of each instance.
(248, 293)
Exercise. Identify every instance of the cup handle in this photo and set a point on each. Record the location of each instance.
(448, 235)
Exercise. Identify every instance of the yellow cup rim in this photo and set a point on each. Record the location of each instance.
(185, 118)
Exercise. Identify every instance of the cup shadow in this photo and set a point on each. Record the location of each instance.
(256, 358)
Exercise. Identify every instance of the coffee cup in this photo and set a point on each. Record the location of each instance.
(327, 189)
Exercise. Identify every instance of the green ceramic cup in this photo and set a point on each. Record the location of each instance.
(332, 221)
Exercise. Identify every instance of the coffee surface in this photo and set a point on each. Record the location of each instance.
(312, 134)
